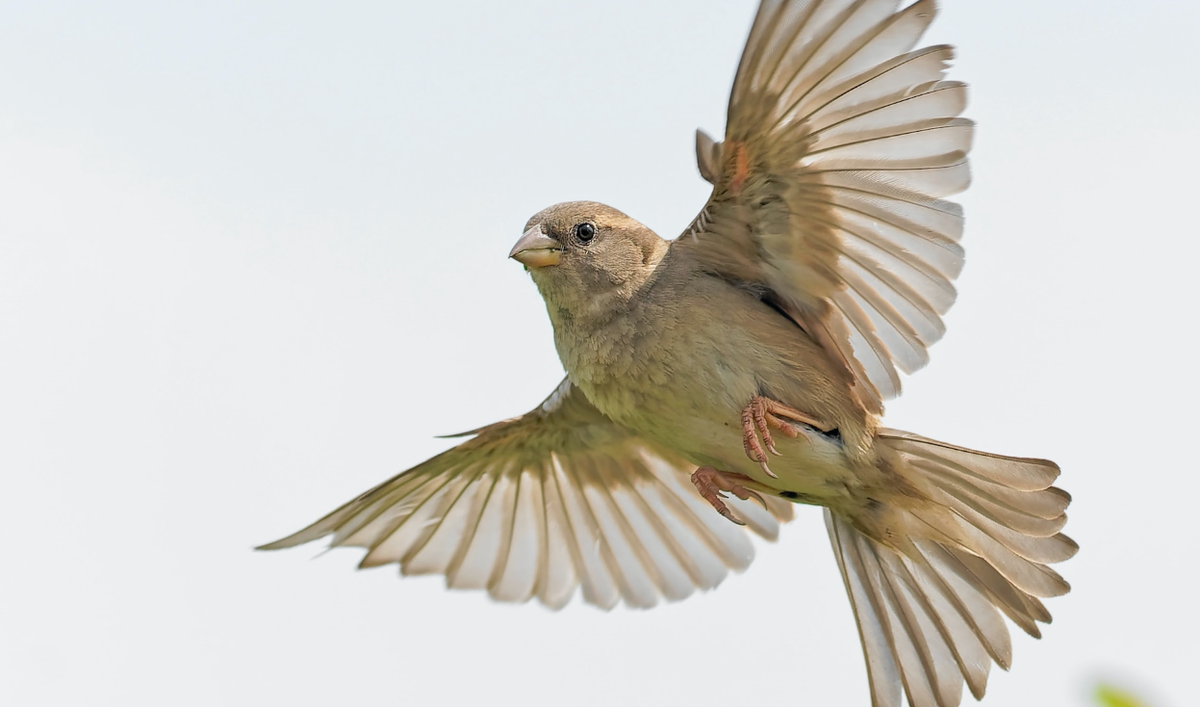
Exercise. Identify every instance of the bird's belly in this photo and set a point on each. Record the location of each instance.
(685, 386)
(810, 468)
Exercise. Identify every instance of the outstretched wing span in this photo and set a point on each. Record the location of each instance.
(540, 504)
(841, 142)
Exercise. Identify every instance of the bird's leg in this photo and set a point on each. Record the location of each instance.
(758, 417)
(711, 482)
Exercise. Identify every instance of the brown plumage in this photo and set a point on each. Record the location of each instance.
(819, 269)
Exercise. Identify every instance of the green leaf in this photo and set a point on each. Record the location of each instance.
(1109, 696)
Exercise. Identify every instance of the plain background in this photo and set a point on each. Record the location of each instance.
(252, 258)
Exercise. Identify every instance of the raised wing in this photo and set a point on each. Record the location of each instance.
(540, 504)
(827, 191)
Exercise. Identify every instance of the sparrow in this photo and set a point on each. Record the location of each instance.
(715, 380)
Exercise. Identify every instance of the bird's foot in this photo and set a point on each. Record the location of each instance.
(758, 417)
(711, 482)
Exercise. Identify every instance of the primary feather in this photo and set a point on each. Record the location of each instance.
(840, 144)
(547, 502)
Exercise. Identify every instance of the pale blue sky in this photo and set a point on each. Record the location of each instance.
(252, 258)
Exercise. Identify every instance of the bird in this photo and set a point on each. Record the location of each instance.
(716, 380)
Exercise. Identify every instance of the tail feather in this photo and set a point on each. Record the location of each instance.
(955, 637)
(1030, 576)
(977, 624)
(1035, 548)
(1041, 504)
(929, 600)
(994, 508)
(874, 629)
(1017, 473)
(1024, 610)
(903, 644)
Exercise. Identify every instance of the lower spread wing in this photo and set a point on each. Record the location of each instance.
(841, 141)
(540, 504)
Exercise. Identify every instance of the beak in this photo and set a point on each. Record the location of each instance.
(536, 249)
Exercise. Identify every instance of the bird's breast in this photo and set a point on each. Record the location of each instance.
(679, 371)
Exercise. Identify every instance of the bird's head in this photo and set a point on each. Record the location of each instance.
(584, 255)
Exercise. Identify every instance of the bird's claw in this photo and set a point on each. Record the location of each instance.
(758, 417)
(711, 483)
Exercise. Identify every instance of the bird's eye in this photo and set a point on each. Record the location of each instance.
(585, 232)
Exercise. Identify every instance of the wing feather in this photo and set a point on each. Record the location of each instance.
(537, 506)
(841, 144)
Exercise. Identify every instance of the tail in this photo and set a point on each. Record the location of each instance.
(973, 541)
